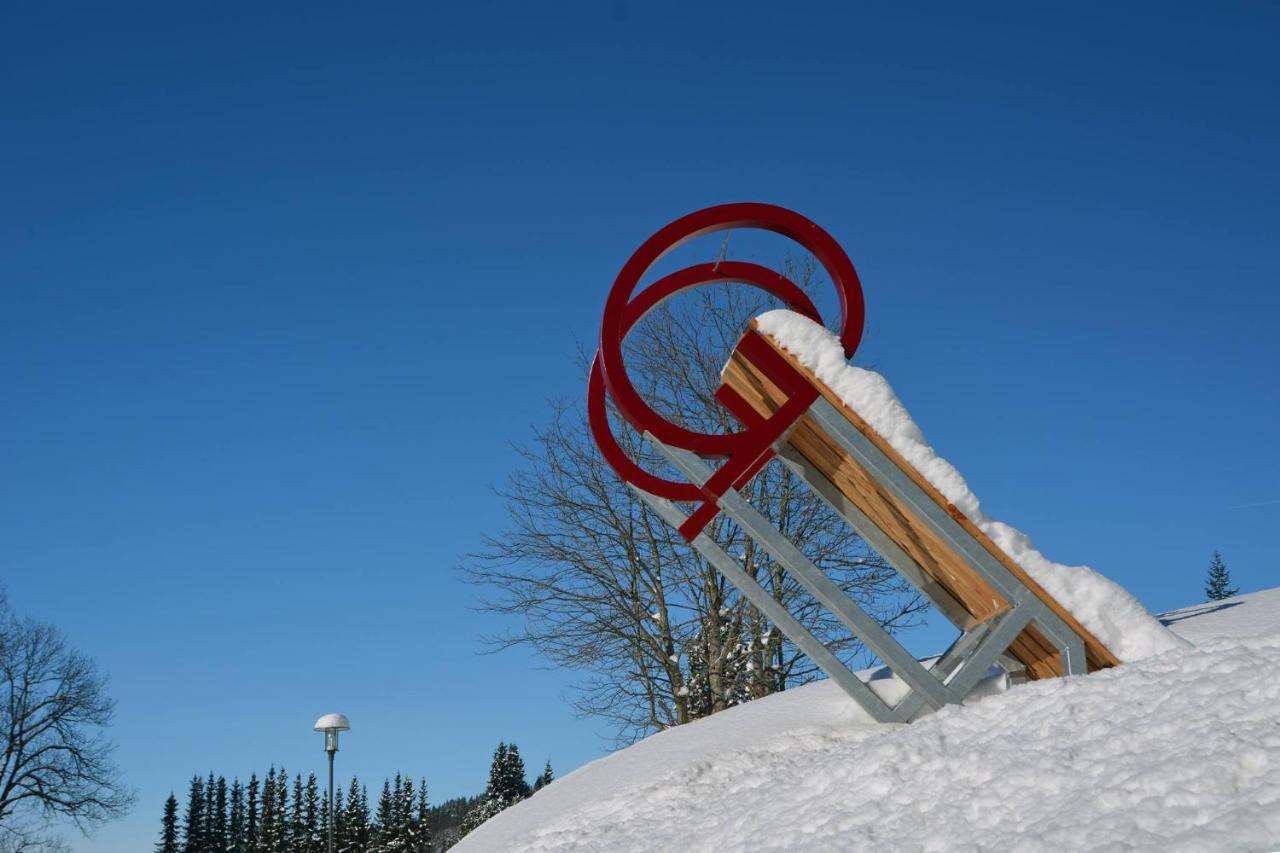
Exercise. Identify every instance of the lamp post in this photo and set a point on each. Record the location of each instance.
(331, 724)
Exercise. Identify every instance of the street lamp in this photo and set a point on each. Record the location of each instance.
(331, 724)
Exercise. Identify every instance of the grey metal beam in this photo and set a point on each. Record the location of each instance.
(874, 460)
(1007, 628)
(876, 538)
(775, 612)
(1074, 661)
(925, 508)
(857, 620)
(971, 659)
(959, 650)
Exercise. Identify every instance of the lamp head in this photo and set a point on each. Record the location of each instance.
(331, 724)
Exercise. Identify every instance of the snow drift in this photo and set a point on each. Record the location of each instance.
(1178, 752)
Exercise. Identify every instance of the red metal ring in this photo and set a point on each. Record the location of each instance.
(723, 217)
(652, 296)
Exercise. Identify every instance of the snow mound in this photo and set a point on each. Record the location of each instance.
(1242, 616)
(1114, 616)
(1177, 752)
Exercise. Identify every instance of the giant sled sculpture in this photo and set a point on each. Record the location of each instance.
(786, 411)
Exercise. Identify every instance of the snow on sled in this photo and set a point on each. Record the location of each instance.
(1003, 610)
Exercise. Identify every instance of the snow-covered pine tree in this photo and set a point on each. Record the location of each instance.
(339, 819)
(507, 786)
(422, 825)
(344, 837)
(517, 786)
(297, 824)
(235, 819)
(193, 837)
(491, 801)
(210, 843)
(364, 831)
(355, 824)
(218, 842)
(497, 766)
(314, 841)
(395, 828)
(1217, 585)
(168, 842)
(384, 820)
(485, 809)
(252, 825)
(267, 818)
(544, 779)
(406, 819)
(282, 839)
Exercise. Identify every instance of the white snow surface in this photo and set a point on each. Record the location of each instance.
(1177, 752)
(1114, 616)
(1242, 616)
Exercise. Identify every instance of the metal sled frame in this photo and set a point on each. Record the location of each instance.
(952, 676)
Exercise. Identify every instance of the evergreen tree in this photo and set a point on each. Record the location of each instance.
(339, 822)
(297, 821)
(447, 818)
(355, 825)
(485, 809)
(267, 817)
(252, 825)
(311, 818)
(514, 786)
(397, 814)
(385, 819)
(364, 829)
(168, 842)
(193, 824)
(210, 843)
(407, 831)
(545, 779)
(325, 817)
(280, 814)
(235, 821)
(218, 838)
(507, 786)
(423, 840)
(496, 767)
(1217, 585)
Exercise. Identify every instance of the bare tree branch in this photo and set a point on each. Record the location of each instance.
(56, 760)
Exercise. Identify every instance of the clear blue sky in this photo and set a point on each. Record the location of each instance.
(281, 283)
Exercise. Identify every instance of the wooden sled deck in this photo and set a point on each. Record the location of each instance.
(900, 523)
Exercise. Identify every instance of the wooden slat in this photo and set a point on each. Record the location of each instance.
(900, 523)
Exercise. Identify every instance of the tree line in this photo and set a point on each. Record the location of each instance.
(281, 815)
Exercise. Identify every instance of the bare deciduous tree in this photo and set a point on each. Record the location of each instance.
(598, 583)
(56, 761)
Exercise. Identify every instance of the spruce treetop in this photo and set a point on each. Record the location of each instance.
(1217, 585)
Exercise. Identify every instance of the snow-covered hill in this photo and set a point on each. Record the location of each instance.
(1177, 752)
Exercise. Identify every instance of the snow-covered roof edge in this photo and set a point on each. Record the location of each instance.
(1114, 616)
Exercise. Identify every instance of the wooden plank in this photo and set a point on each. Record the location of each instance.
(935, 558)
(900, 523)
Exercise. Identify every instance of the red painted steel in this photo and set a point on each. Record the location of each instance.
(746, 451)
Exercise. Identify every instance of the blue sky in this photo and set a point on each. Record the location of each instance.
(281, 284)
